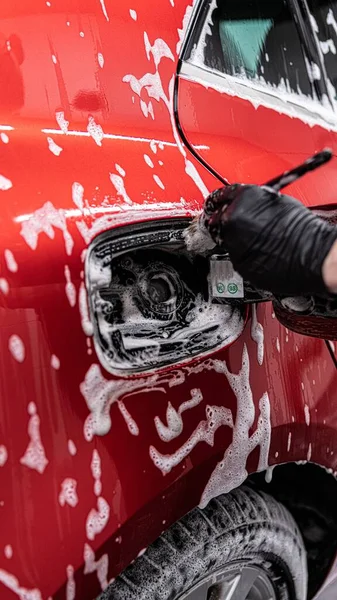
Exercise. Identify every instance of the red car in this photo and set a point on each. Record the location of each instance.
(143, 401)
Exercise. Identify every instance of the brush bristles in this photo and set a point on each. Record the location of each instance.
(197, 238)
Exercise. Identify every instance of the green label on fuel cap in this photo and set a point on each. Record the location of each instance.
(232, 288)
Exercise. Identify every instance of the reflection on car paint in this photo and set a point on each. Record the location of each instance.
(99, 393)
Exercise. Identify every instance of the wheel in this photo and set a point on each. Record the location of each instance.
(242, 546)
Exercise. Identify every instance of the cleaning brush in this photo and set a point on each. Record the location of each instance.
(197, 237)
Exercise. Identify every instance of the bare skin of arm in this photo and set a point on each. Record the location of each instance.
(329, 269)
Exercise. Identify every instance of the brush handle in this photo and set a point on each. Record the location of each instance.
(309, 165)
(223, 197)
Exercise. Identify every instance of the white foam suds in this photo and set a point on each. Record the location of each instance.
(34, 457)
(71, 585)
(4, 137)
(120, 170)
(328, 46)
(147, 109)
(216, 416)
(101, 565)
(231, 471)
(12, 583)
(31, 408)
(68, 493)
(154, 88)
(11, 263)
(148, 161)
(198, 50)
(159, 50)
(87, 325)
(104, 10)
(313, 23)
(191, 170)
(150, 81)
(44, 220)
(307, 414)
(257, 335)
(97, 519)
(153, 146)
(118, 183)
(259, 93)
(158, 181)
(70, 288)
(53, 147)
(174, 425)
(100, 59)
(17, 348)
(182, 31)
(95, 131)
(131, 423)
(331, 20)
(72, 448)
(313, 70)
(61, 121)
(55, 362)
(96, 471)
(289, 441)
(77, 194)
(3, 455)
(309, 453)
(5, 183)
(278, 345)
(100, 393)
(269, 474)
(8, 551)
(4, 287)
(174, 419)
(133, 14)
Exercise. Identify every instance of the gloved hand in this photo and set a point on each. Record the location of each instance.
(274, 242)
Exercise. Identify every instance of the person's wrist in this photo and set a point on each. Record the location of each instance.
(329, 269)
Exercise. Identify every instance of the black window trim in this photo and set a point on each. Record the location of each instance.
(305, 19)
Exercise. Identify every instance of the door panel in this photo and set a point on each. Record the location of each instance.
(253, 122)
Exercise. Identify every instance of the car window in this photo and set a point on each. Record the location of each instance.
(324, 21)
(256, 40)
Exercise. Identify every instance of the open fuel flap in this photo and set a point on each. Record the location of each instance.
(152, 303)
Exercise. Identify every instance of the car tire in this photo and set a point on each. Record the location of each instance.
(211, 552)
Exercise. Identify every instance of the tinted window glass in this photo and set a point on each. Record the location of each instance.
(324, 20)
(257, 40)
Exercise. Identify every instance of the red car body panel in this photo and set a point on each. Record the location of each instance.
(74, 513)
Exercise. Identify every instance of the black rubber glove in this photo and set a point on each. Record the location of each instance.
(274, 242)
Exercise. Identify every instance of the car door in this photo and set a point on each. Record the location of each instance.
(251, 86)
